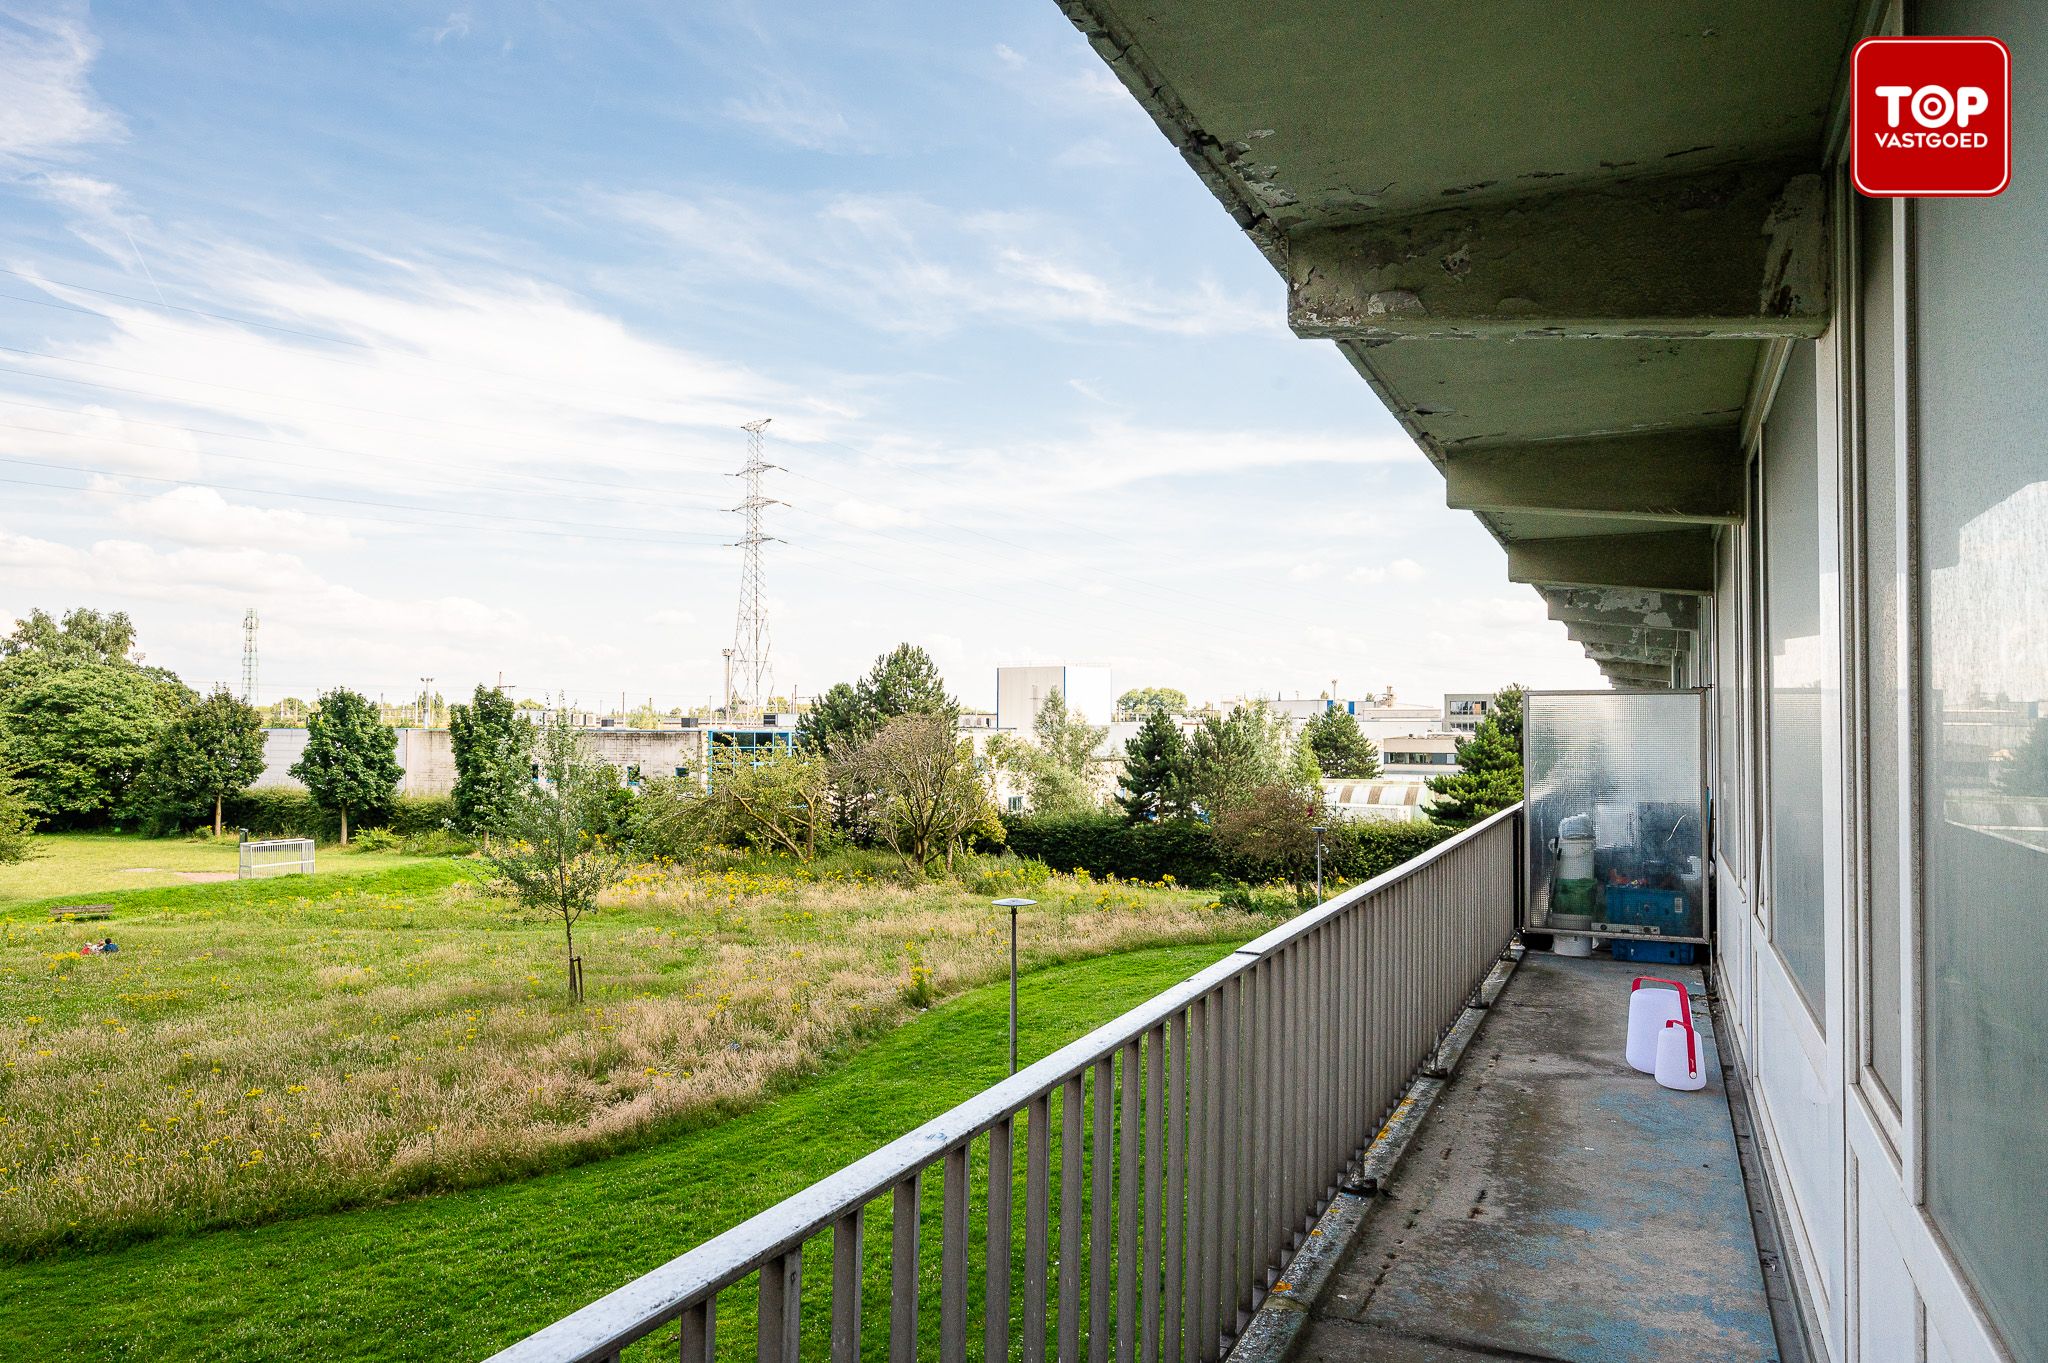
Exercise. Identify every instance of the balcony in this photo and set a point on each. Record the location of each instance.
(1380, 1131)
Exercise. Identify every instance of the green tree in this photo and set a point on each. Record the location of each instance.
(1341, 748)
(349, 762)
(1304, 772)
(782, 801)
(1507, 715)
(1157, 771)
(916, 781)
(1057, 765)
(836, 720)
(80, 735)
(17, 821)
(2026, 773)
(492, 743)
(213, 749)
(1488, 779)
(83, 636)
(903, 681)
(1148, 700)
(554, 857)
(1233, 755)
(1274, 828)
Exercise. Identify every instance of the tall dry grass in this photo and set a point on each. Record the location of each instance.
(235, 1065)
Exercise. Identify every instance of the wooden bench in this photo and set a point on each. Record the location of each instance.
(75, 912)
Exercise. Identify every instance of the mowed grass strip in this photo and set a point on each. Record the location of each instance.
(272, 1049)
(460, 1275)
(97, 866)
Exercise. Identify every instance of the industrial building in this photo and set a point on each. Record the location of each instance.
(427, 756)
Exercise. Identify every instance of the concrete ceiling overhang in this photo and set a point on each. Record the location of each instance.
(1555, 239)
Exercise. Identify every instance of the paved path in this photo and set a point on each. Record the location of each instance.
(1557, 1204)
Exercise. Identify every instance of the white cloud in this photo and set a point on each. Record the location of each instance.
(866, 515)
(1400, 570)
(1091, 152)
(47, 107)
(791, 112)
(456, 25)
(199, 515)
(901, 263)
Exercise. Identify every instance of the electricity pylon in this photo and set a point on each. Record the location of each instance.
(249, 656)
(750, 674)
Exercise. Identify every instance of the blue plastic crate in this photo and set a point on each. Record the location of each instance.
(1650, 951)
(1642, 907)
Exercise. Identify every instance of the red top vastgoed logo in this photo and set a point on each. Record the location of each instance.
(1930, 117)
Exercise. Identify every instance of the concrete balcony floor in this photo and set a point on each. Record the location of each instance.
(1556, 1204)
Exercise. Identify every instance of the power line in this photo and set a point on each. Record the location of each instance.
(610, 533)
(525, 381)
(328, 469)
(40, 376)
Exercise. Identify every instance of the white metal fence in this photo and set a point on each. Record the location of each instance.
(1172, 1161)
(277, 857)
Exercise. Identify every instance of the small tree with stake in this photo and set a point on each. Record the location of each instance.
(551, 854)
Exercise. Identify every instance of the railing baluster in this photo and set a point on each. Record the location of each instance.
(782, 1291)
(1037, 1210)
(1130, 1131)
(846, 1282)
(700, 1331)
(953, 1258)
(1229, 1118)
(1155, 1175)
(1216, 1121)
(1073, 1150)
(1176, 1184)
(1207, 1097)
(903, 1285)
(1270, 1124)
(995, 1331)
(1196, 1313)
(1101, 1180)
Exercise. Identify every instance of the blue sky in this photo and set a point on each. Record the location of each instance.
(490, 289)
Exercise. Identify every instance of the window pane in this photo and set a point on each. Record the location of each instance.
(1881, 642)
(1728, 653)
(1982, 464)
(1792, 615)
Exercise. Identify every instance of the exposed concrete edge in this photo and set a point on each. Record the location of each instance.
(1776, 1255)
(1277, 1324)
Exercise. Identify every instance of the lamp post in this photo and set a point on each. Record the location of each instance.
(1319, 831)
(1013, 905)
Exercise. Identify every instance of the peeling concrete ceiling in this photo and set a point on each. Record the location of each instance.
(1308, 116)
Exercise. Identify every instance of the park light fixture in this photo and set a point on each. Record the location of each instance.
(1319, 831)
(1013, 905)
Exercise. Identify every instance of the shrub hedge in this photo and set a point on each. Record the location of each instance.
(272, 813)
(1105, 844)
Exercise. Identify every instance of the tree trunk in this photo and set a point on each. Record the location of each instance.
(569, 935)
(216, 814)
(344, 825)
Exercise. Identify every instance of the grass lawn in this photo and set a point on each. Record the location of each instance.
(89, 866)
(269, 1049)
(458, 1275)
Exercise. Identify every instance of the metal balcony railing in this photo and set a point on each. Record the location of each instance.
(1179, 1154)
